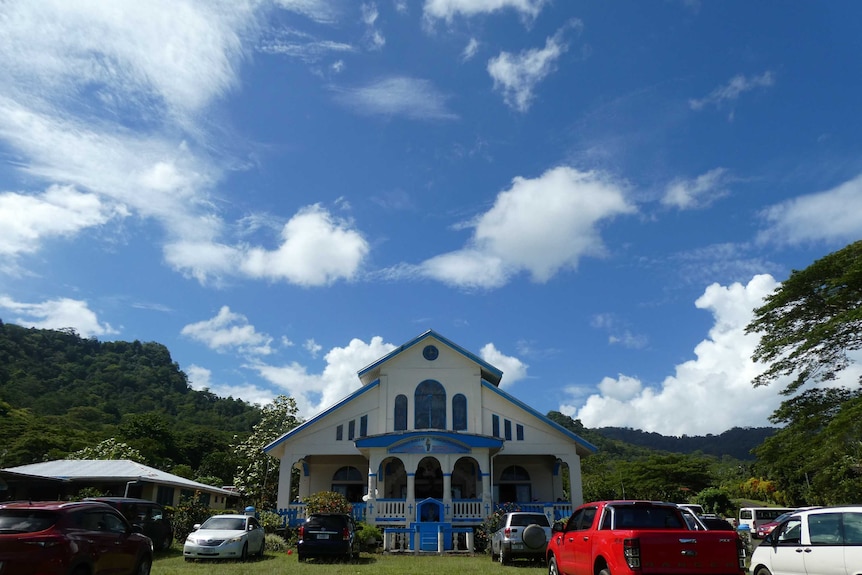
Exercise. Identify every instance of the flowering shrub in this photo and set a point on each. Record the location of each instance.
(327, 502)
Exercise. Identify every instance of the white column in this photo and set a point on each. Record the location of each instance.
(285, 466)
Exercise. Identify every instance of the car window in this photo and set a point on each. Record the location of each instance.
(327, 522)
(788, 533)
(852, 528)
(225, 523)
(648, 518)
(825, 528)
(528, 519)
(26, 520)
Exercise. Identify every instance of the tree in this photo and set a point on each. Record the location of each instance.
(257, 472)
(109, 449)
(810, 322)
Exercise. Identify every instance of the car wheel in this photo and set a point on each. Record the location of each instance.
(762, 571)
(605, 571)
(534, 537)
(144, 565)
(243, 556)
(166, 542)
(552, 566)
(493, 555)
(504, 556)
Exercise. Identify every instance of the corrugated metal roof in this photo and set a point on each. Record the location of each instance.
(117, 469)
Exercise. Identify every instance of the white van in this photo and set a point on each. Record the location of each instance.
(813, 542)
(754, 517)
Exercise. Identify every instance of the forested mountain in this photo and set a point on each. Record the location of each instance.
(737, 442)
(60, 393)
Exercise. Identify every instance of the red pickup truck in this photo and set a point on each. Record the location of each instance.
(639, 537)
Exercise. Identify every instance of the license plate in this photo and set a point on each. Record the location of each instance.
(517, 546)
(323, 535)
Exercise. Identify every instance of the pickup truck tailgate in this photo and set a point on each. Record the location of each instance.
(688, 552)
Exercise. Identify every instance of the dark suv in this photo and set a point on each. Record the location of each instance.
(148, 515)
(79, 538)
(328, 535)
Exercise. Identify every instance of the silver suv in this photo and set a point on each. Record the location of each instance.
(521, 534)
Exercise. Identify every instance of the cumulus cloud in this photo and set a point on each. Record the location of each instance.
(316, 249)
(448, 9)
(61, 313)
(731, 91)
(540, 226)
(229, 331)
(833, 215)
(26, 220)
(514, 370)
(697, 193)
(412, 98)
(517, 75)
(316, 392)
(708, 394)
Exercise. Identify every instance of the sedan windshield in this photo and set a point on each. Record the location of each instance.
(224, 523)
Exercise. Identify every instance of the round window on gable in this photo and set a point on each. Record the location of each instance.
(430, 352)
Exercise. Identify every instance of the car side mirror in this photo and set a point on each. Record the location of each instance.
(558, 527)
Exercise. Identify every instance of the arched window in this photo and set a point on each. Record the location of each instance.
(400, 412)
(515, 484)
(349, 482)
(459, 412)
(430, 406)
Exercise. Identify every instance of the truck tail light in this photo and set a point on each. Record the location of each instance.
(507, 532)
(740, 553)
(632, 552)
(345, 534)
(302, 531)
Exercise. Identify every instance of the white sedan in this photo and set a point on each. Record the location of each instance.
(225, 537)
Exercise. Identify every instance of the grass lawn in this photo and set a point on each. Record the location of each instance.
(171, 563)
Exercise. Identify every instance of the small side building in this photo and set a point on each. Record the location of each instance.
(430, 423)
(63, 478)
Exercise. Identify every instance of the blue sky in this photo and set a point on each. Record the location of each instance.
(592, 196)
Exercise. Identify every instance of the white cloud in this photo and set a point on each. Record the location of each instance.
(316, 392)
(732, 90)
(833, 215)
(696, 193)
(200, 379)
(62, 313)
(312, 347)
(373, 36)
(470, 50)
(448, 9)
(516, 76)
(708, 394)
(412, 98)
(26, 220)
(229, 330)
(316, 249)
(514, 370)
(540, 225)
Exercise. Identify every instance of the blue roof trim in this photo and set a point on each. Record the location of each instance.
(431, 333)
(465, 439)
(321, 415)
(577, 438)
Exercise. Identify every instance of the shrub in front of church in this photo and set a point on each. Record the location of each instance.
(327, 502)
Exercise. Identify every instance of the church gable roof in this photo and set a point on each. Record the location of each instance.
(490, 373)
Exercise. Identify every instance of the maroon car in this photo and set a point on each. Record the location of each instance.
(70, 538)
